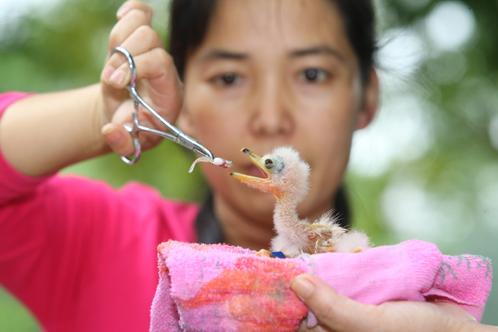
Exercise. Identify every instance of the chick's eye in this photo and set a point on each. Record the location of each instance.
(314, 75)
(269, 163)
(227, 79)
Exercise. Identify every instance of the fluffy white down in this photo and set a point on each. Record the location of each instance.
(351, 241)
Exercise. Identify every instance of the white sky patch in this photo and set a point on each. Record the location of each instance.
(401, 52)
(412, 212)
(11, 11)
(488, 196)
(493, 132)
(402, 132)
(450, 25)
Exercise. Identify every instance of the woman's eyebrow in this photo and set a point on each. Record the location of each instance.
(220, 54)
(223, 54)
(317, 50)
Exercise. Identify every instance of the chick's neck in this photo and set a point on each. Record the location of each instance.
(285, 216)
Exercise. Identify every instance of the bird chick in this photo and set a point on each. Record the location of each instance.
(286, 176)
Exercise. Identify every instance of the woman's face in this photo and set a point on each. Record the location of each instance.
(271, 73)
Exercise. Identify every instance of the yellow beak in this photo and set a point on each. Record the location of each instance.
(261, 183)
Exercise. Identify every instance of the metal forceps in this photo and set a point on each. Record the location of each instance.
(176, 134)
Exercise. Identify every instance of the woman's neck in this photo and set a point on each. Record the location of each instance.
(240, 230)
(243, 231)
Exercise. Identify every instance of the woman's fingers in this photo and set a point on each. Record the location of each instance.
(133, 32)
(129, 5)
(164, 88)
(118, 139)
(135, 15)
(143, 39)
(153, 65)
(333, 311)
(304, 328)
(125, 26)
(115, 134)
(338, 313)
(158, 80)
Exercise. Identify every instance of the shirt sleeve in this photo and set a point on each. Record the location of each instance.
(68, 241)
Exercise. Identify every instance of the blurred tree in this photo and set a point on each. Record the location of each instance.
(451, 190)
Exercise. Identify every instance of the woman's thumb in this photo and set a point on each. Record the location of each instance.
(332, 310)
(118, 139)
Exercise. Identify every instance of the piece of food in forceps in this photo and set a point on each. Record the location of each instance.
(217, 161)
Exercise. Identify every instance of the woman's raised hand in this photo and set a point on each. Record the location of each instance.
(157, 77)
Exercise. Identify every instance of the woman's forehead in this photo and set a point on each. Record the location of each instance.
(290, 24)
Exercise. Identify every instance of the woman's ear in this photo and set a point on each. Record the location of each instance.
(370, 103)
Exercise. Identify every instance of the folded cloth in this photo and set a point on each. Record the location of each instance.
(225, 288)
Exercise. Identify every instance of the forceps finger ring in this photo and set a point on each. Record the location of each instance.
(137, 148)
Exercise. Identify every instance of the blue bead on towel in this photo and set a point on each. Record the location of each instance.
(277, 254)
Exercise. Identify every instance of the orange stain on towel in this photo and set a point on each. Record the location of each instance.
(257, 294)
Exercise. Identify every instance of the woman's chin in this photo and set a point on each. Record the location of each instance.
(257, 204)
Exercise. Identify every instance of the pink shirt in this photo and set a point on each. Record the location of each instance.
(80, 254)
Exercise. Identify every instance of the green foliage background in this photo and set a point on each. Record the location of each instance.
(63, 45)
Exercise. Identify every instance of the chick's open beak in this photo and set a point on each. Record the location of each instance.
(261, 183)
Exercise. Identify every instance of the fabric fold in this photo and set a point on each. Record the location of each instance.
(221, 287)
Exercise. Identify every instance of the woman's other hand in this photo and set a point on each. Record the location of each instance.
(158, 80)
(335, 312)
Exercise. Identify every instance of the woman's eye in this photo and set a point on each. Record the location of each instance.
(227, 79)
(314, 75)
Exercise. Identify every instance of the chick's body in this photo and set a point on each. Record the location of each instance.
(287, 178)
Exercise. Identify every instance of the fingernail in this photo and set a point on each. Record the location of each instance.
(106, 73)
(112, 136)
(123, 9)
(311, 320)
(302, 286)
(117, 78)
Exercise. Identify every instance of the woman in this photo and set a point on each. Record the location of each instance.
(257, 73)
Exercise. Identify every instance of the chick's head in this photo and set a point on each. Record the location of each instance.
(283, 173)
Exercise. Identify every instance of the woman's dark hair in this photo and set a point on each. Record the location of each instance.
(189, 21)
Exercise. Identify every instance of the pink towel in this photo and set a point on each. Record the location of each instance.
(221, 287)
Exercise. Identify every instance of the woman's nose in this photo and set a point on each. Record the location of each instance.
(271, 114)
